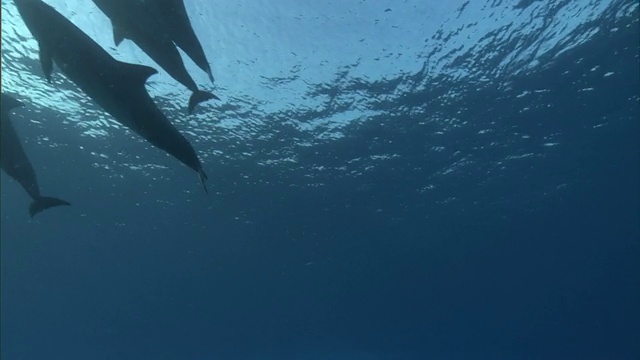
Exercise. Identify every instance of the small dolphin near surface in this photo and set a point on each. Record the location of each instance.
(173, 14)
(131, 20)
(15, 163)
(118, 87)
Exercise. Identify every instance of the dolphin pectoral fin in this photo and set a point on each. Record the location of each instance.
(210, 74)
(203, 178)
(118, 35)
(8, 102)
(199, 96)
(137, 73)
(46, 61)
(43, 203)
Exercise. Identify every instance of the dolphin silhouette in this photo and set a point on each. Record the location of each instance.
(131, 20)
(173, 14)
(117, 87)
(15, 163)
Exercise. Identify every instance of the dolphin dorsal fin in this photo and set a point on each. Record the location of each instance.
(46, 61)
(118, 35)
(137, 73)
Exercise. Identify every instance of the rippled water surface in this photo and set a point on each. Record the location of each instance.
(365, 157)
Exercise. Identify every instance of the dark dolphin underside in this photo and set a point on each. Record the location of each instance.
(132, 19)
(117, 87)
(173, 14)
(16, 164)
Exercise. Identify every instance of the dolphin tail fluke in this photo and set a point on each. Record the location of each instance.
(210, 74)
(203, 178)
(200, 96)
(43, 203)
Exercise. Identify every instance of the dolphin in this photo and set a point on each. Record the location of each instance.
(15, 163)
(117, 87)
(173, 14)
(131, 20)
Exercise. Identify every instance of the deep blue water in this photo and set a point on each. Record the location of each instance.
(474, 206)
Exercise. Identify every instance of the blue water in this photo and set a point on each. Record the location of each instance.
(388, 180)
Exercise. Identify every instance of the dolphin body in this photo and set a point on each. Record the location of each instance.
(118, 87)
(131, 20)
(173, 14)
(15, 163)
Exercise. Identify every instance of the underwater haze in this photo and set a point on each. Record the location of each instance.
(403, 180)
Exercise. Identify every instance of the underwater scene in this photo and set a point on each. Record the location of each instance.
(311, 180)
